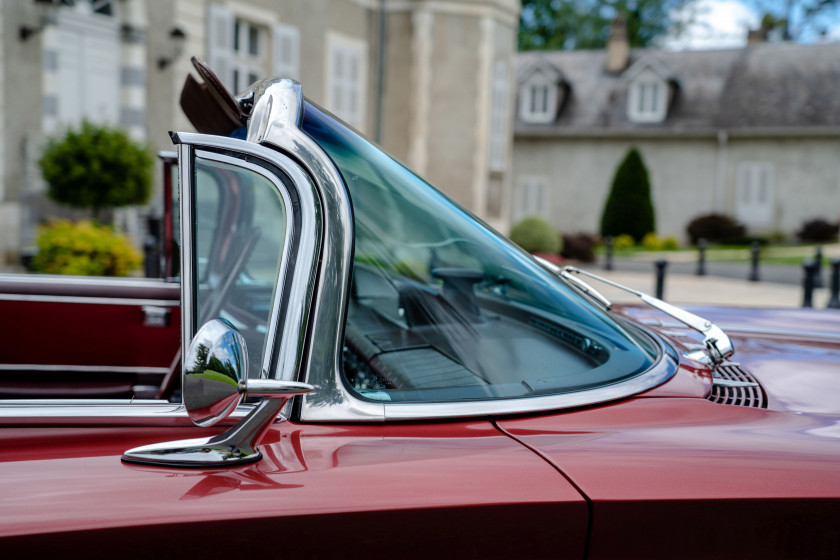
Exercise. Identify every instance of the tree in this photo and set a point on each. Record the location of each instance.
(629, 208)
(97, 167)
(798, 20)
(585, 24)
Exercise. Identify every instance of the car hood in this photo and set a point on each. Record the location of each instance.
(793, 353)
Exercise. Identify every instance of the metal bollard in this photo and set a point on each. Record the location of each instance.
(701, 257)
(809, 269)
(608, 244)
(834, 300)
(818, 261)
(661, 265)
(755, 254)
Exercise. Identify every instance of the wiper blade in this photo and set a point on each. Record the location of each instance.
(718, 345)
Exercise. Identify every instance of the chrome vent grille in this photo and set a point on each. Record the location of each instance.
(734, 385)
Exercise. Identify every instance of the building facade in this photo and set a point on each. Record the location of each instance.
(430, 80)
(753, 133)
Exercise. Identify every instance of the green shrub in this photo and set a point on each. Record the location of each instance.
(84, 249)
(669, 244)
(623, 242)
(97, 167)
(651, 242)
(629, 208)
(535, 235)
(716, 228)
(818, 231)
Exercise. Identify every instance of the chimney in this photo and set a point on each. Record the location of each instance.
(618, 46)
(755, 36)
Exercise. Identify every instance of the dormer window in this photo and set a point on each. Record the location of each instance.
(538, 100)
(648, 99)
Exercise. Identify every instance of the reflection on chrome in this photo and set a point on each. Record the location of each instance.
(215, 367)
(214, 384)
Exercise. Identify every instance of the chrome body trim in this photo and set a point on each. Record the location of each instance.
(102, 412)
(86, 281)
(663, 370)
(185, 174)
(89, 300)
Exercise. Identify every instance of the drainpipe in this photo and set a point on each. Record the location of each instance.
(380, 72)
(720, 174)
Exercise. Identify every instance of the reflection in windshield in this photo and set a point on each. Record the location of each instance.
(444, 309)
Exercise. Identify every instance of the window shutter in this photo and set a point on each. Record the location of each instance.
(498, 118)
(754, 200)
(220, 34)
(286, 52)
(345, 81)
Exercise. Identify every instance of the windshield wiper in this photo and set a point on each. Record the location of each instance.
(718, 345)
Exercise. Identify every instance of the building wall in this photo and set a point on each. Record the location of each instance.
(21, 117)
(806, 177)
(684, 178)
(436, 113)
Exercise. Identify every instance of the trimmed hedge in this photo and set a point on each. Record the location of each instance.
(629, 209)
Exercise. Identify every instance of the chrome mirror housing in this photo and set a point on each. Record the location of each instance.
(214, 385)
(216, 365)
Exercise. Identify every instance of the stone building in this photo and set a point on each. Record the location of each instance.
(431, 81)
(753, 133)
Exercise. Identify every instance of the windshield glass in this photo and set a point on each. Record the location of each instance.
(444, 309)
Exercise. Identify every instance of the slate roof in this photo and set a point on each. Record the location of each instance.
(761, 86)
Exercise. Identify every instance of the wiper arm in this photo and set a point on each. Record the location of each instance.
(718, 345)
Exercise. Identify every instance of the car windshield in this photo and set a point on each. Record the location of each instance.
(442, 308)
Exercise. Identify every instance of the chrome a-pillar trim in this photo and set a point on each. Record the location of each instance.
(276, 121)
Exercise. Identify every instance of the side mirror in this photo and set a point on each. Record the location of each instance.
(216, 367)
(214, 385)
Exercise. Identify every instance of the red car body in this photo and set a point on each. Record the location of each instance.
(694, 464)
(663, 474)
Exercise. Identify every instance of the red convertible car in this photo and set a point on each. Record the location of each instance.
(374, 373)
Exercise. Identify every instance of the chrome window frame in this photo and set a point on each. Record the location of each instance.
(287, 348)
(294, 292)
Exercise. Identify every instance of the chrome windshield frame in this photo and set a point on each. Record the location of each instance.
(280, 103)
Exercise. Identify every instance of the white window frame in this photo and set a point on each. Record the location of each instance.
(755, 193)
(533, 197)
(346, 96)
(538, 100)
(248, 65)
(647, 101)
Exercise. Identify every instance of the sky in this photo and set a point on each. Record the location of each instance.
(720, 24)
